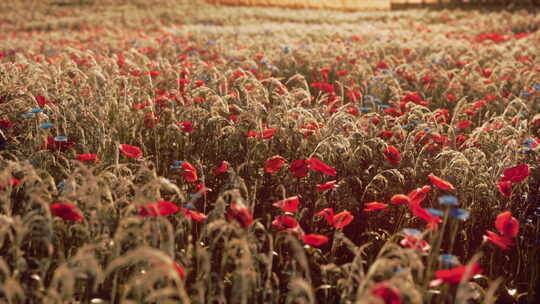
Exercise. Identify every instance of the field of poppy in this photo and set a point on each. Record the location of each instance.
(179, 152)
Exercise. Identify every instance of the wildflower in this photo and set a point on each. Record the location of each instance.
(457, 274)
(435, 212)
(431, 220)
(251, 134)
(283, 222)
(194, 215)
(299, 168)
(449, 260)
(314, 239)
(67, 212)
(464, 124)
(223, 167)
(5, 124)
(87, 157)
(59, 143)
(187, 127)
(150, 120)
(180, 271)
(161, 208)
(502, 242)
(460, 214)
(413, 242)
(400, 199)
(13, 182)
(382, 65)
(392, 154)
(289, 204)
(507, 225)
(342, 219)
(141, 106)
(42, 101)
(273, 164)
(328, 214)
(448, 200)
(268, 133)
(389, 294)
(440, 183)
(375, 206)
(516, 174)
(505, 188)
(338, 221)
(131, 151)
(46, 125)
(418, 195)
(201, 188)
(189, 172)
(317, 165)
(241, 214)
(327, 186)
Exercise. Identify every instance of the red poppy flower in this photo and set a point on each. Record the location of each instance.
(141, 106)
(41, 101)
(503, 242)
(507, 225)
(131, 151)
(505, 188)
(414, 98)
(251, 134)
(5, 124)
(13, 182)
(342, 219)
(392, 155)
(268, 133)
(421, 213)
(415, 243)
(418, 195)
(180, 271)
(299, 168)
(273, 164)
(375, 206)
(67, 212)
(161, 208)
(283, 222)
(189, 172)
(516, 174)
(289, 204)
(457, 274)
(327, 186)
(200, 188)
(187, 127)
(92, 158)
(440, 183)
(464, 124)
(389, 294)
(382, 65)
(400, 199)
(314, 239)
(150, 120)
(317, 165)
(241, 214)
(194, 215)
(61, 146)
(328, 214)
(223, 167)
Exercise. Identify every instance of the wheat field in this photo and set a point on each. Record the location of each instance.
(184, 152)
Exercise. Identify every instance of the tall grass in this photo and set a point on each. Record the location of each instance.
(112, 74)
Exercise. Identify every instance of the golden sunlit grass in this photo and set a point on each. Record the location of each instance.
(134, 72)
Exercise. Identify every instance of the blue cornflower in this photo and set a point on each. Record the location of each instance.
(448, 200)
